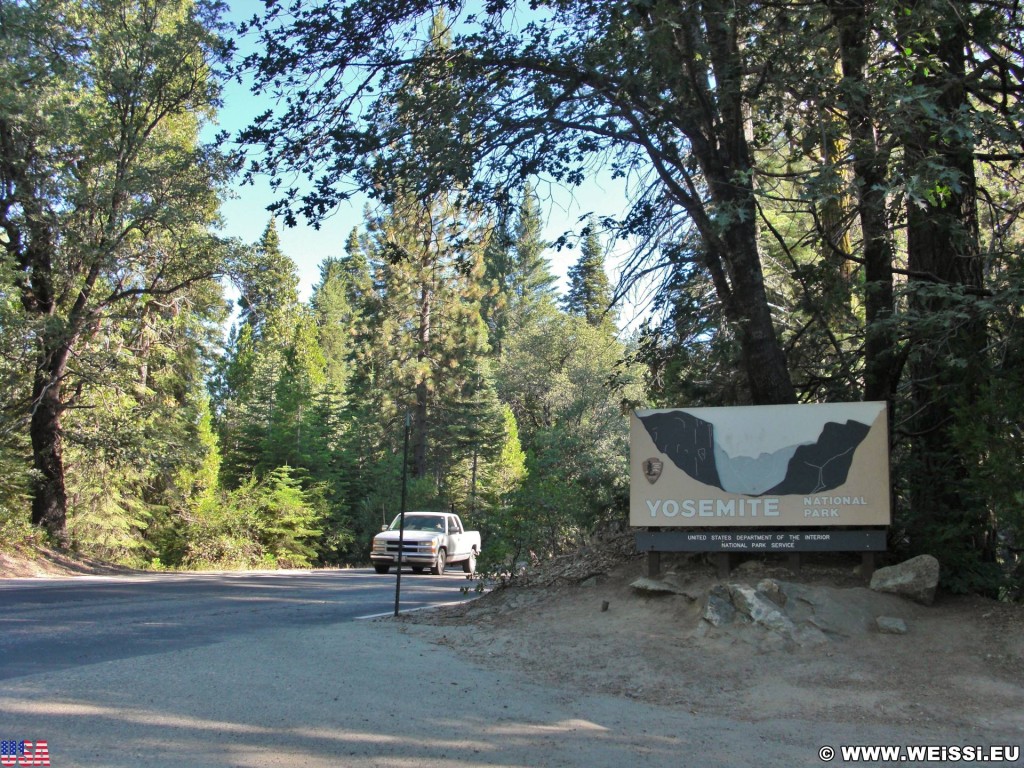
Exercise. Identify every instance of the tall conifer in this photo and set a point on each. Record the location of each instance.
(590, 294)
(531, 284)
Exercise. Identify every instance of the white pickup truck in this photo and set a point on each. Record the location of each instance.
(432, 540)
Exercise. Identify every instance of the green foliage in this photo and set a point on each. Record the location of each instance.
(273, 344)
(426, 333)
(520, 286)
(335, 305)
(107, 199)
(268, 287)
(860, 237)
(504, 474)
(688, 351)
(290, 518)
(567, 382)
(986, 535)
(281, 406)
(15, 527)
(270, 523)
(108, 514)
(590, 293)
(15, 356)
(223, 534)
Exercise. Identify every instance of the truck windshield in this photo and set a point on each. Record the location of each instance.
(419, 523)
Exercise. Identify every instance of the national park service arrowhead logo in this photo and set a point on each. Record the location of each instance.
(652, 470)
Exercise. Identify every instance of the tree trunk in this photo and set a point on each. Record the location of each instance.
(49, 499)
(835, 230)
(943, 253)
(870, 161)
(712, 112)
(33, 247)
(944, 258)
(763, 359)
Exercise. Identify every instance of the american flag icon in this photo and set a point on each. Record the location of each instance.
(19, 753)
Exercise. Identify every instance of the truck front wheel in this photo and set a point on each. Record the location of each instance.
(438, 568)
(381, 567)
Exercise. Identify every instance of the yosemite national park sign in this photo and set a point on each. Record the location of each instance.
(774, 465)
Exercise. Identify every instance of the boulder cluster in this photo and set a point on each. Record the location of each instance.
(808, 615)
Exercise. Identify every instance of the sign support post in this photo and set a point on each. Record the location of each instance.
(401, 515)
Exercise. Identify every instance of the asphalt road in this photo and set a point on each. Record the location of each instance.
(272, 670)
(51, 625)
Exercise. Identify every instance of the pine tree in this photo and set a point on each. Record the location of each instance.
(300, 381)
(521, 288)
(427, 244)
(335, 321)
(498, 266)
(531, 286)
(290, 519)
(429, 328)
(342, 302)
(247, 388)
(471, 438)
(245, 406)
(590, 294)
(269, 289)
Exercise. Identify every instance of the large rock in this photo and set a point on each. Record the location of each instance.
(890, 625)
(773, 590)
(916, 579)
(719, 610)
(669, 584)
(738, 603)
(803, 614)
(760, 609)
(654, 586)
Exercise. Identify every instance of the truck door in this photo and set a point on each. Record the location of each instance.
(456, 540)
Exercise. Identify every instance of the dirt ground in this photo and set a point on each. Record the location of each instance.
(42, 562)
(579, 624)
(959, 666)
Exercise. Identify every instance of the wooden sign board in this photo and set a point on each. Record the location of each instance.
(760, 466)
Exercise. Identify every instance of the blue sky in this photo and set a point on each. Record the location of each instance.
(245, 216)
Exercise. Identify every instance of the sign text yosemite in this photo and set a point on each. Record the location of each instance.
(760, 466)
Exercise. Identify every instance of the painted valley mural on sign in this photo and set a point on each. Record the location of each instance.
(824, 464)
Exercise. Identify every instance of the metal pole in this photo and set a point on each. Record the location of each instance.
(401, 516)
(472, 508)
